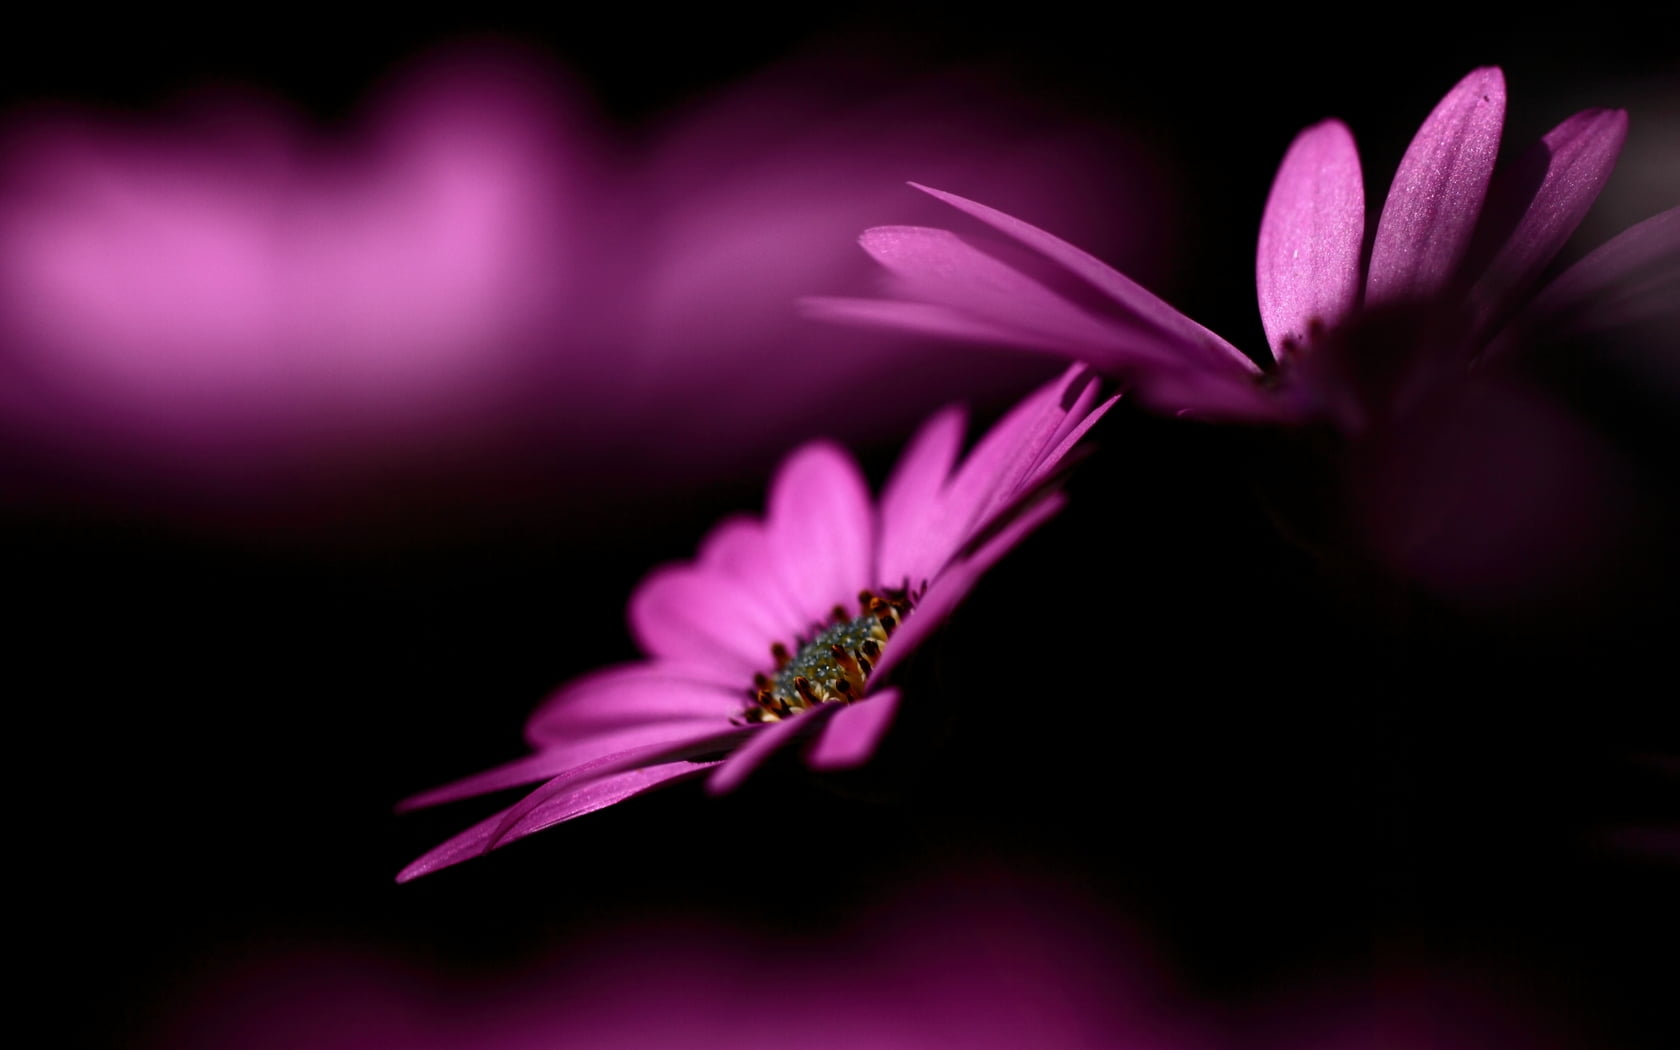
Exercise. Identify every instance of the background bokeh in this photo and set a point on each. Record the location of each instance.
(1277, 774)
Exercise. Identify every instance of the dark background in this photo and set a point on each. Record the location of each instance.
(1278, 771)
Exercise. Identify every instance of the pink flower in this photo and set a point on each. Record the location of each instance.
(1454, 257)
(786, 629)
(1459, 470)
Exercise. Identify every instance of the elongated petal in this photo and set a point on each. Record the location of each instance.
(565, 758)
(630, 695)
(821, 528)
(1633, 276)
(589, 797)
(739, 548)
(853, 734)
(1307, 262)
(911, 496)
(683, 613)
(1130, 297)
(1549, 191)
(766, 741)
(1119, 348)
(1432, 206)
(938, 266)
(983, 480)
(704, 745)
(954, 583)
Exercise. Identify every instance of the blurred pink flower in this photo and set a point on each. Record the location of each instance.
(785, 628)
(963, 964)
(1398, 342)
(966, 965)
(482, 282)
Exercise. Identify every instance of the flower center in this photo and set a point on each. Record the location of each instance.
(832, 663)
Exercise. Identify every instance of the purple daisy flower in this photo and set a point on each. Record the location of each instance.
(786, 629)
(1356, 328)
(1412, 342)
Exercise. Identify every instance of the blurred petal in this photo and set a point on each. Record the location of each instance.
(764, 742)
(821, 528)
(684, 613)
(938, 266)
(912, 495)
(1631, 277)
(1307, 268)
(619, 697)
(1436, 197)
(1197, 342)
(853, 733)
(1570, 164)
(954, 583)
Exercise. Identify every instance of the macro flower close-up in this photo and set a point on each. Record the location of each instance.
(784, 629)
(1409, 338)
(1352, 326)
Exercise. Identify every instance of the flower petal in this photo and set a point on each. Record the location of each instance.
(1553, 185)
(565, 758)
(766, 741)
(1633, 276)
(853, 733)
(821, 529)
(685, 613)
(953, 584)
(1196, 342)
(1432, 206)
(911, 497)
(739, 548)
(589, 797)
(940, 267)
(1307, 262)
(633, 694)
(946, 322)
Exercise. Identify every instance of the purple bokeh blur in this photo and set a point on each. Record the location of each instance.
(483, 289)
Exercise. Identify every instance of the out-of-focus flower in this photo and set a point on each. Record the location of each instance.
(1398, 343)
(483, 282)
(787, 628)
(961, 965)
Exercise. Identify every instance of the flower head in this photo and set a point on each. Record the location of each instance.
(1354, 326)
(1401, 338)
(786, 628)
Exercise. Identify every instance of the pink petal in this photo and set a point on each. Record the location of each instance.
(633, 694)
(1197, 342)
(1307, 263)
(1633, 276)
(954, 583)
(1570, 164)
(821, 529)
(1080, 417)
(591, 796)
(947, 322)
(996, 470)
(701, 745)
(911, 496)
(687, 614)
(938, 266)
(565, 758)
(764, 742)
(1436, 197)
(739, 548)
(853, 734)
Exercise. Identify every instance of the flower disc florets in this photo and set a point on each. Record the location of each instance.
(833, 663)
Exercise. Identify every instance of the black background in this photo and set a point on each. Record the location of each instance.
(1278, 772)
